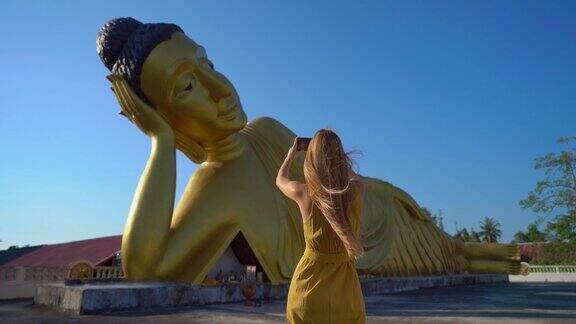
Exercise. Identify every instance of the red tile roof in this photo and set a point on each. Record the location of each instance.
(11, 254)
(96, 251)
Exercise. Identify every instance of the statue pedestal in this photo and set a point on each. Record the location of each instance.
(110, 297)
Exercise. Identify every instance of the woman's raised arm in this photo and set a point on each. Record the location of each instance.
(294, 190)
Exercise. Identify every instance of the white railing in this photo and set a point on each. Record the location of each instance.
(33, 273)
(53, 273)
(108, 272)
(545, 273)
(37, 273)
(7, 273)
(553, 268)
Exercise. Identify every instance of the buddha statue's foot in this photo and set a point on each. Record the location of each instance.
(492, 251)
(492, 257)
(493, 266)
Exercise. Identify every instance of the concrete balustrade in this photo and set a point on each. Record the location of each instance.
(553, 268)
(546, 273)
(108, 272)
(21, 282)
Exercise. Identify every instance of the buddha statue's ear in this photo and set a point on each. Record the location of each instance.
(190, 147)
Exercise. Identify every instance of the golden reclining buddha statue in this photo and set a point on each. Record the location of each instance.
(168, 87)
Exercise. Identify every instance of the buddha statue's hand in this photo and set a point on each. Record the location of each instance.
(140, 113)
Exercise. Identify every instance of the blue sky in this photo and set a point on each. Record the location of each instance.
(449, 100)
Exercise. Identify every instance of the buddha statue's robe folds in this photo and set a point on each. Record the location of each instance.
(399, 240)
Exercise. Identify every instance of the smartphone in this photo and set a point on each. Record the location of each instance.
(302, 143)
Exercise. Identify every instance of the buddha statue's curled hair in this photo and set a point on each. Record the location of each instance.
(332, 186)
(123, 45)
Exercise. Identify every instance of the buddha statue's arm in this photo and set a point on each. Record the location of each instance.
(147, 229)
(148, 225)
(160, 240)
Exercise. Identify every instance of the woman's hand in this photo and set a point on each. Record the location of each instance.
(293, 151)
(151, 122)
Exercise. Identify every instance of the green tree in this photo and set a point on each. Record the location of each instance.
(490, 230)
(532, 234)
(555, 253)
(462, 235)
(465, 235)
(474, 236)
(555, 196)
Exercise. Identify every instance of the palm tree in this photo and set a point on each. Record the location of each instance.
(490, 230)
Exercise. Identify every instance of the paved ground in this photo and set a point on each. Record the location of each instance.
(489, 303)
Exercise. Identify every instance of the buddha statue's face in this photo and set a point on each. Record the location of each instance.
(180, 81)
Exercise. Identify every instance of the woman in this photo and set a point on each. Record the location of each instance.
(325, 286)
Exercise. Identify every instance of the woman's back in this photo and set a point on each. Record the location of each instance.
(325, 287)
(318, 232)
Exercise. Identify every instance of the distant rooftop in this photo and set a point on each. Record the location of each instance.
(11, 254)
(97, 251)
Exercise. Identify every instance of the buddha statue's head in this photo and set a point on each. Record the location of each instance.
(173, 74)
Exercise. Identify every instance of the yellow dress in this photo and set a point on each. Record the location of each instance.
(325, 287)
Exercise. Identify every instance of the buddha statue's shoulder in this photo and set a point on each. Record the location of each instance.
(269, 130)
(268, 124)
(371, 184)
(377, 187)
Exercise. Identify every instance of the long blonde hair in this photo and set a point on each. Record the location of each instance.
(331, 186)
